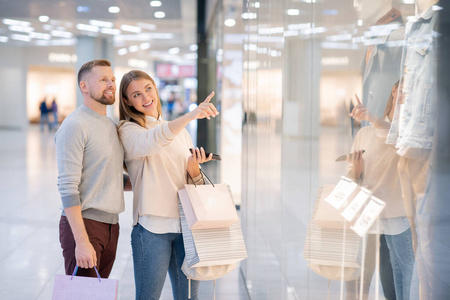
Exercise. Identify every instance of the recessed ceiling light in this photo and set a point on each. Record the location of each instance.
(130, 28)
(38, 35)
(230, 22)
(21, 28)
(155, 3)
(159, 14)
(144, 46)
(193, 47)
(112, 31)
(293, 12)
(15, 22)
(101, 23)
(4, 39)
(122, 51)
(60, 33)
(83, 8)
(86, 27)
(114, 9)
(174, 50)
(44, 19)
(133, 48)
(21, 37)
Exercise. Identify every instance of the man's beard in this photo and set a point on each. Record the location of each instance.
(103, 99)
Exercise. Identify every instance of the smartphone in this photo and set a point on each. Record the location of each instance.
(344, 157)
(214, 156)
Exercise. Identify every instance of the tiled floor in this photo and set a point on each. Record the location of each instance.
(30, 254)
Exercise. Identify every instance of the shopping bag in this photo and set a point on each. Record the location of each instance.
(73, 287)
(328, 250)
(212, 246)
(208, 206)
(327, 216)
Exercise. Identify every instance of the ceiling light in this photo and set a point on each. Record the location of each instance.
(101, 23)
(59, 33)
(174, 50)
(86, 27)
(257, 4)
(230, 22)
(133, 48)
(111, 31)
(20, 28)
(147, 26)
(44, 19)
(122, 51)
(155, 3)
(293, 12)
(4, 39)
(114, 9)
(42, 36)
(47, 27)
(21, 37)
(408, 1)
(144, 46)
(159, 14)
(130, 28)
(83, 9)
(15, 22)
(193, 47)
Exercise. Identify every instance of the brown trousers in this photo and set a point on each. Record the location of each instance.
(103, 237)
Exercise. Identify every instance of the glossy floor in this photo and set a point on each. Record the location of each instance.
(30, 253)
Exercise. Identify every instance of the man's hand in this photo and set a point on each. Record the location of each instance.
(85, 255)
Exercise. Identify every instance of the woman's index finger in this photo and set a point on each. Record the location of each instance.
(208, 99)
(357, 99)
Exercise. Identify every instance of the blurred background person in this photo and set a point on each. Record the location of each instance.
(44, 115)
(54, 111)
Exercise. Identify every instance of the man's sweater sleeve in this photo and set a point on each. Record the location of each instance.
(70, 143)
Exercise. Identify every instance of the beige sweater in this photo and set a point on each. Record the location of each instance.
(380, 172)
(156, 160)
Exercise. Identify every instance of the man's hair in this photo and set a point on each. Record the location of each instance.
(87, 67)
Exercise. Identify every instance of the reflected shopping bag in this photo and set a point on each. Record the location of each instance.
(329, 251)
(213, 246)
(87, 288)
(208, 206)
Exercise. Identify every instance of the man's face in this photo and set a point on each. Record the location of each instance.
(101, 85)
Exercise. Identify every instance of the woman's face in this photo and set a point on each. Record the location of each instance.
(142, 95)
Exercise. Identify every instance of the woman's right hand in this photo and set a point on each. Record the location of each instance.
(205, 109)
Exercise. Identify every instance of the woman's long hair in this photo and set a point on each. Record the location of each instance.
(129, 113)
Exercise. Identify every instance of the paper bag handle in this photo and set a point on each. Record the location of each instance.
(203, 173)
(76, 269)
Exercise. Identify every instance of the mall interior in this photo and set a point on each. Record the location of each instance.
(298, 84)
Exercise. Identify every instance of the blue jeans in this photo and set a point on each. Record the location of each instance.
(402, 260)
(154, 255)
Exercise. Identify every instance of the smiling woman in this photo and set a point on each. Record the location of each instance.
(157, 158)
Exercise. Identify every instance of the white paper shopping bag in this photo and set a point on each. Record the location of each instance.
(208, 206)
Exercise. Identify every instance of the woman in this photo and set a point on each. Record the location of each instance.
(157, 158)
(376, 170)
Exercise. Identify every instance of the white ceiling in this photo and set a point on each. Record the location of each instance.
(177, 29)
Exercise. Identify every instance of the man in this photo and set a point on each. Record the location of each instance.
(90, 175)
